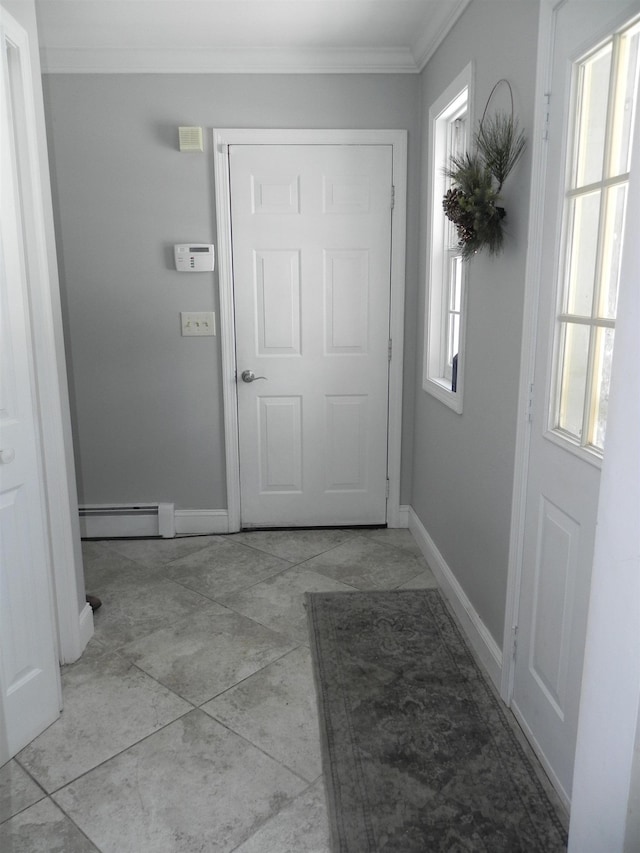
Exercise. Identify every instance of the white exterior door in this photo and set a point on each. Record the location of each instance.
(311, 229)
(29, 673)
(563, 476)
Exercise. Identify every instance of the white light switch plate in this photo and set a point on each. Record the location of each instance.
(198, 322)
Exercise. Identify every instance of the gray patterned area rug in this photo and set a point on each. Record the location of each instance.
(418, 754)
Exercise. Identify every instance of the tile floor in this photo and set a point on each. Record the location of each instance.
(189, 723)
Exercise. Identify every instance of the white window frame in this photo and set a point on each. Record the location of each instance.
(440, 252)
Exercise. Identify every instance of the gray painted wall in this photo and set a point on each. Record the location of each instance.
(146, 402)
(463, 465)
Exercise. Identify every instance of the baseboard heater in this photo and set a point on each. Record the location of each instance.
(121, 521)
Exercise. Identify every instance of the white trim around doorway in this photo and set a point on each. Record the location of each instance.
(222, 138)
(548, 11)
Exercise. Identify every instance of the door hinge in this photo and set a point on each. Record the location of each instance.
(387, 488)
(545, 126)
(393, 197)
(514, 650)
(390, 349)
(530, 404)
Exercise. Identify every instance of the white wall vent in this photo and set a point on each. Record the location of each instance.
(116, 521)
(190, 138)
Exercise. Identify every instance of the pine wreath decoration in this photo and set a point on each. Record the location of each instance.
(477, 178)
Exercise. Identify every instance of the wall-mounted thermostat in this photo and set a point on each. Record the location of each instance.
(194, 257)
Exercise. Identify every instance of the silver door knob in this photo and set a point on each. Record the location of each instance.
(249, 376)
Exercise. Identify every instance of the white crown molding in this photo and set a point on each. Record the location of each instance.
(228, 60)
(427, 44)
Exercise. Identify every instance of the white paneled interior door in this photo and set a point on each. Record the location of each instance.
(29, 673)
(563, 478)
(311, 228)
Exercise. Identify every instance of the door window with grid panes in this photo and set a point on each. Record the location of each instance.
(595, 202)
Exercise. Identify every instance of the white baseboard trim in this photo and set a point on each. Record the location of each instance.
(477, 633)
(403, 515)
(201, 521)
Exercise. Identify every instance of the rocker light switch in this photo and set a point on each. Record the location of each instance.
(197, 323)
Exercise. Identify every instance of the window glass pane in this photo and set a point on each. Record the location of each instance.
(573, 379)
(455, 289)
(612, 250)
(584, 213)
(593, 90)
(454, 335)
(625, 99)
(602, 380)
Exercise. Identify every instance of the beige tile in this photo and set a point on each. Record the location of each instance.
(393, 537)
(223, 569)
(425, 580)
(18, 791)
(133, 607)
(301, 827)
(192, 787)
(108, 705)
(103, 566)
(366, 564)
(276, 710)
(155, 553)
(201, 656)
(43, 828)
(294, 545)
(278, 602)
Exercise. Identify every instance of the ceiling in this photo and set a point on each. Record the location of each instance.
(204, 36)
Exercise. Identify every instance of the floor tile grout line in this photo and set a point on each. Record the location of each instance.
(79, 828)
(186, 620)
(269, 627)
(198, 706)
(44, 796)
(259, 748)
(234, 592)
(247, 677)
(122, 751)
(29, 774)
(228, 537)
(256, 829)
(194, 708)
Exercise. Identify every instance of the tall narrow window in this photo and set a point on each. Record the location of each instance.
(605, 100)
(445, 303)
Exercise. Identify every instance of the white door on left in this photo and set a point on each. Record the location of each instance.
(29, 672)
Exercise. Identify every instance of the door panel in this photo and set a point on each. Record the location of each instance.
(29, 675)
(280, 443)
(562, 483)
(311, 228)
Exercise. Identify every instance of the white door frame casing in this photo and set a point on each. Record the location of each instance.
(222, 138)
(527, 358)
